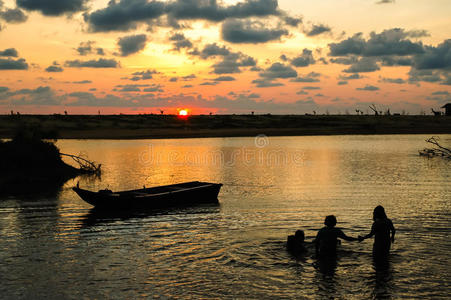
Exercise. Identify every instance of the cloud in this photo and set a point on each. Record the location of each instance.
(100, 63)
(54, 69)
(389, 42)
(9, 52)
(224, 78)
(343, 82)
(311, 77)
(129, 45)
(365, 64)
(311, 88)
(180, 41)
(441, 93)
(278, 70)
(14, 16)
(393, 80)
(385, 1)
(154, 88)
(212, 50)
(350, 77)
(88, 99)
(263, 83)
(434, 57)
(369, 88)
(209, 83)
(292, 21)
(125, 15)
(12, 64)
(82, 82)
(305, 59)
(144, 75)
(53, 7)
(211, 11)
(86, 48)
(245, 31)
(42, 95)
(317, 30)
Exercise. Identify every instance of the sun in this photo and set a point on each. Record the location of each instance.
(183, 112)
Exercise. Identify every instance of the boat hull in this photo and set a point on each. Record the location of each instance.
(177, 195)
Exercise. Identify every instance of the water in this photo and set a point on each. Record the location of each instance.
(54, 246)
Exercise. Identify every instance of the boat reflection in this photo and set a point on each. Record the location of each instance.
(97, 216)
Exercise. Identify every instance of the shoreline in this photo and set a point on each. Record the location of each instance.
(204, 126)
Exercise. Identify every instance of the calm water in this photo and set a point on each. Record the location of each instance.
(55, 247)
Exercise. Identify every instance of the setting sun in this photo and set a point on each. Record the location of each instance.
(183, 112)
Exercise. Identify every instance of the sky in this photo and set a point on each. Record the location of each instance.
(224, 57)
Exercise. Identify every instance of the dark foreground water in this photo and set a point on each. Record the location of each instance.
(55, 247)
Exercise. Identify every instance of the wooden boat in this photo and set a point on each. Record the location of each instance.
(182, 194)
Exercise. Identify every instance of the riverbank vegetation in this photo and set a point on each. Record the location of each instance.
(171, 126)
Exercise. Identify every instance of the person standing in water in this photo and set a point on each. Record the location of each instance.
(381, 229)
(327, 238)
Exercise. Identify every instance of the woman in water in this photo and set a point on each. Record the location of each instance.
(381, 229)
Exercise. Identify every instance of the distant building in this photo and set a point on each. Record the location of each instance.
(447, 108)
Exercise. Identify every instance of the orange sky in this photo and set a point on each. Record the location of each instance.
(233, 56)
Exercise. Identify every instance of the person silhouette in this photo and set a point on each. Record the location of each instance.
(295, 243)
(381, 229)
(327, 238)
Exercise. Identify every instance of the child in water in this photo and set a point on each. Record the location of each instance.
(295, 243)
(381, 229)
(327, 238)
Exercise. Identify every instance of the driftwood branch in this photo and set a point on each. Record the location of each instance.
(84, 164)
(437, 150)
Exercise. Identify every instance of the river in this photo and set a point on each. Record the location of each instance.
(54, 246)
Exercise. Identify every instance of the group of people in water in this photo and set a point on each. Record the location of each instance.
(327, 238)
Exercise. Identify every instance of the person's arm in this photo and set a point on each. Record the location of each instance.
(342, 235)
(393, 231)
(369, 234)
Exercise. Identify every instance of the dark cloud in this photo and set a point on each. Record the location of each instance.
(311, 77)
(434, 57)
(13, 64)
(441, 93)
(344, 60)
(144, 75)
(54, 69)
(385, 1)
(304, 60)
(212, 11)
(82, 82)
(311, 88)
(278, 70)
(14, 16)
(224, 78)
(245, 31)
(53, 7)
(88, 99)
(42, 95)
(350, 77)
(343, 82)
(180, 41)
(154, 88)
(232, 63)
(209, 83)
(100, 63)
(9, 52)
(396, 61)
(388, 42)
(292, 21)
(393, 80)
(365, 64)
(263, 83)
(129, 45)
(86, 48)
(212, 50)
(124, 15)
(370, 88)
(187, 86)
(317, 30)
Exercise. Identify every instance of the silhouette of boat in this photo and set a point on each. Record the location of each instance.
(175, 195)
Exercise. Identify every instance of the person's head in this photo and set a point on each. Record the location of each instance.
(330, 221)
(379, 213)
(299, 235)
